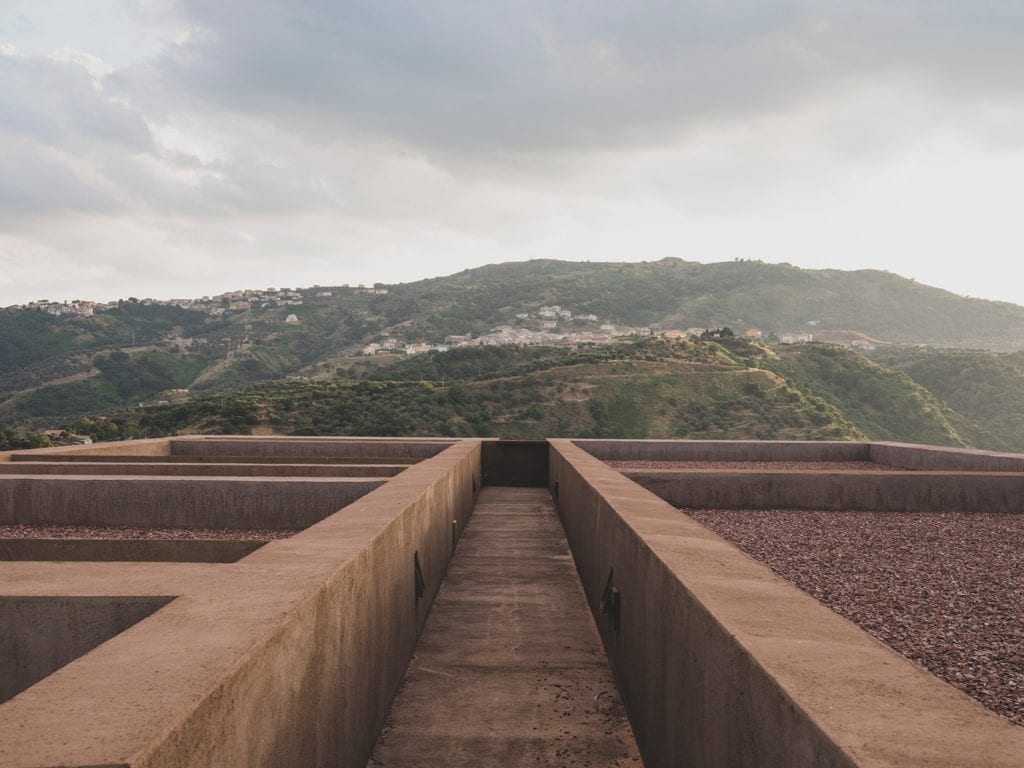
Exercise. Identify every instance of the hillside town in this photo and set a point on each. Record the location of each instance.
(216, 306)
(545, 326)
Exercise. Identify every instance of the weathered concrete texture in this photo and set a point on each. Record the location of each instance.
(289, 657)
(732, 666)
(156, 447)
(936, 458)
(509, 670)
(176, 502)
(298, 447)
(103, 550)
(722, 663)
(725, 450)
(90, 458)
(901, 491)
(41, 634)
(204, 469)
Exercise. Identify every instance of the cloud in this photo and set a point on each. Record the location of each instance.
(535, 76)
(169, 143)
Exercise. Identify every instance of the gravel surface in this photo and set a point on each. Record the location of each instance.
(859, 466)
(82, 532)
(944, 589)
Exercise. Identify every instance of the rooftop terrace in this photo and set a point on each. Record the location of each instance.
(349, 601)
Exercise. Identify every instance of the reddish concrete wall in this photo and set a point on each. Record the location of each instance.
(316, 689)
(205, 469)
(869, 491)
(73, 458)
(290, 656)
(721, 663)
(111, 550)
(723, 450)
(155, 447)
(175, 502)
(305, 447)
(936, 458)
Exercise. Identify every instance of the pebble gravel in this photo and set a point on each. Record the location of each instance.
(83, 532)
(946, 590)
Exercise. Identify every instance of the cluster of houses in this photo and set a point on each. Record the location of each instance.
(552, 331)
(216, 306)
(61, 308)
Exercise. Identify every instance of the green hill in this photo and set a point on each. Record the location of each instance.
(775, 298)
(984, 390)
(648, 389)
(55, 370)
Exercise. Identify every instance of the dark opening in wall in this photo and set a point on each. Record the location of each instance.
(515, 462)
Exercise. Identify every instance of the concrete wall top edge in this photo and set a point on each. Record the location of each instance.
(159, 446)
(944, 458)
(724, 450)
(301, 447)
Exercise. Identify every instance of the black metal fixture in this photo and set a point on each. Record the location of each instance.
(611, 601)
(421, 585)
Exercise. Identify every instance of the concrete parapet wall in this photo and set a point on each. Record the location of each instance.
(303, 447)
(721, 663)
(291, 656)
(936, 458)
(316, 690)
(149, 502)
(205, 469)
(122, 550)
(723, 450)
(88, 458)
(155, 447)
(840, 491)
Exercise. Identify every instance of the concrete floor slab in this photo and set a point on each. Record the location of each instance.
(509, 670)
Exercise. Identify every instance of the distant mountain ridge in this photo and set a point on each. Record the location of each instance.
(776, 298)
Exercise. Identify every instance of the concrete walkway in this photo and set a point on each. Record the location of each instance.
(509, 670)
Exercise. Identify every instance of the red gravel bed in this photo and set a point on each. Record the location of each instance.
(859, 466)
(126, 533)
(944, 589)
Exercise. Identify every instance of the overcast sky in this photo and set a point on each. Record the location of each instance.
(173, 148)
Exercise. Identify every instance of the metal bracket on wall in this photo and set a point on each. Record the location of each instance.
(611, 601)
(421, 585)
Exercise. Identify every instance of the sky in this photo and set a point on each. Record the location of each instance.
(176, 148)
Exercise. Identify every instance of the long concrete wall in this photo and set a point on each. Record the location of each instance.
(721, 663)
(306, 447)
(89, 458)
(724, 450)
(204, 469)
(148, 502)
(290, 656)
(936, 458)
(121, 550)
(840, 491)
(154, 447)
(315, 690)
